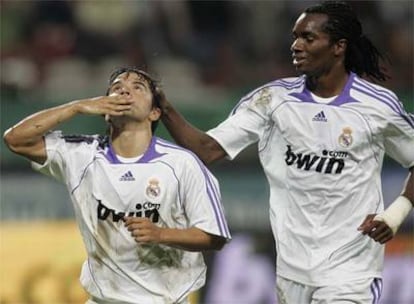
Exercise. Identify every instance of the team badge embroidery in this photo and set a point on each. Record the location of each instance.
(264, 98)
(345, 139)
(153, 189)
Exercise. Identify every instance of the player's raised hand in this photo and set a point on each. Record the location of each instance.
(143, 230)
(377, 230)
(114, 105)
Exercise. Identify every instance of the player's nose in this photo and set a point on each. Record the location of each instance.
(124, 91)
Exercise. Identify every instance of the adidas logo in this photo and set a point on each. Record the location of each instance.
(320, 117)
(127, 177)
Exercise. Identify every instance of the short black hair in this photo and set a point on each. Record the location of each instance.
(152, 82)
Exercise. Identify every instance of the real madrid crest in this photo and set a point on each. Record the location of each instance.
(345, 139)
(153, 189)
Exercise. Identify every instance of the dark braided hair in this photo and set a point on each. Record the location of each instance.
(152, 83)
(361, 56)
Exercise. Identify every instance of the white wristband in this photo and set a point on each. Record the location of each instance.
(396, 213)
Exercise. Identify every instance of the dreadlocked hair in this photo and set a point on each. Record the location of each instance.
(361, 56)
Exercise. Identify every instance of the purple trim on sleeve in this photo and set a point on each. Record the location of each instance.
(176, 178)
(298, 82)
(383, 95)
(215, 199)
(212, 191)
(409, 118)
(390, 105)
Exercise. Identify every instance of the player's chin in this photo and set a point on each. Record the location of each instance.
(301, 70)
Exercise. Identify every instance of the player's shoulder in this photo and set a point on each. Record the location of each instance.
(77, 140)
(279, 85)
(175, 153)
(271, 93)
(86, 139)
(375, 96)
(378, 90)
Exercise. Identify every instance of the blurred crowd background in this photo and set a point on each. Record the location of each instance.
(54, 50)
(207, 55)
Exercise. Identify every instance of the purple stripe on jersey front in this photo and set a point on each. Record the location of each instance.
(212, 192)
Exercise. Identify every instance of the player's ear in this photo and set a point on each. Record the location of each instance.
(155, 114)
(340, 47)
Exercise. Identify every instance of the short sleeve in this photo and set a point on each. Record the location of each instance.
(66, 159)
(54, 165)
(202, 199)
(246, 123)
(399, 138)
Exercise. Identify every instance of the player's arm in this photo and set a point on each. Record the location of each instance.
(190, 239)
(186, 135)
(382, 227)
(26, 137)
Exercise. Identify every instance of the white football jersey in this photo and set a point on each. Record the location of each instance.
(323, 164)
(168, 185)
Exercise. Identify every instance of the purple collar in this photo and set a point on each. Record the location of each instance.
(150, 154)
(343, 98)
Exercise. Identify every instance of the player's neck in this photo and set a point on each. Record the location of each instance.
(329, 84)
(130, 142)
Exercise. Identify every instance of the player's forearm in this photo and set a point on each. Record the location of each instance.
(186, 135)
(192, 239)
(408, 190)
(398, 210)
(181, 130)
(31, 129)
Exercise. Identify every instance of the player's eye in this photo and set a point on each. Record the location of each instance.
(309, 38)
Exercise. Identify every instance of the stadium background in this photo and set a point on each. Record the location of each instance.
(207, 55)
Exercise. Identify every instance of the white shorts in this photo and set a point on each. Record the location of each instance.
(366, 291)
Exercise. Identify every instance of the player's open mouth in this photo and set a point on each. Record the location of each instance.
(298, 60)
